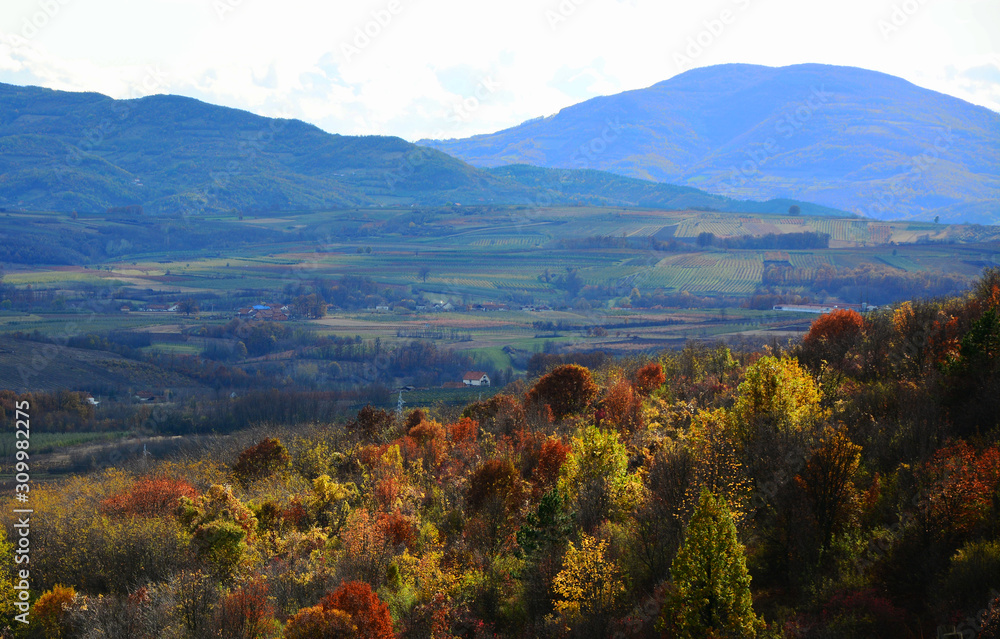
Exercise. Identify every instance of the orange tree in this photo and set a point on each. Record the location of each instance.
(832, 336)
(353, 610)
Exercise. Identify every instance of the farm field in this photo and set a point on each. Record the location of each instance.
(500, 255)
(491, 285)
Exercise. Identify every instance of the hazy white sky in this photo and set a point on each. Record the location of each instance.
(452, 68)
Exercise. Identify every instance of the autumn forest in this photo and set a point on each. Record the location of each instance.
(844, 486)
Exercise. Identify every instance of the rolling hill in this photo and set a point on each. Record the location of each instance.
(844, 137)
(65, 151)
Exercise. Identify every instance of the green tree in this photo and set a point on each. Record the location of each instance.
(794, 210)
(222, 527)
(188, 306)
(711, 585)
(595, 478)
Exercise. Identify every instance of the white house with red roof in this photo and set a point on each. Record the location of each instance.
(476, 378)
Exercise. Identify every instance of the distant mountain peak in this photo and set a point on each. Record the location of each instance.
(877, 144)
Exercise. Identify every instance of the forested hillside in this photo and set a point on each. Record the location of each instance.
(845, 486)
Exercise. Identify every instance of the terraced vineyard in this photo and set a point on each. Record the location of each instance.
(706, 273)
(512, 255)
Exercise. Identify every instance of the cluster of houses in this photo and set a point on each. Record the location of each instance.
(152, 308)
(266, 312)
(445, 307)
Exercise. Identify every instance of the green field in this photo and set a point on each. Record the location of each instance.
(492, 257)
(514, 257)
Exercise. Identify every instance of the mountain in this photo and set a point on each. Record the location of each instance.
(169, 154)
(601, 188)
(848, 138)
(86, 151)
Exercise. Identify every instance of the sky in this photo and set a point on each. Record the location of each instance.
(453, 68)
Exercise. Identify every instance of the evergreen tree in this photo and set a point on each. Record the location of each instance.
(711, 585)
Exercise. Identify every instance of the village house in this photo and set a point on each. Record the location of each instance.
(476, 378)
(265, 312)
(161, 308)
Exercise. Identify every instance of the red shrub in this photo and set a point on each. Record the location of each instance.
(246, 613)
(387, 492)
(296, 514)
(960, 483)
(414, 418)
(51, 610)
(495, 479)
(256, 462)
(501, 414)
(550, 460)
(426, 431)
(368, 613)
(149, 496)
(622, 408)
(371, 422)
(317, 622)
(369, 455)
(463, 432)
(397, 529)
(527, 446)
(840, 325)
(649, 378)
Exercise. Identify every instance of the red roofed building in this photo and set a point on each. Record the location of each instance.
(476, 378)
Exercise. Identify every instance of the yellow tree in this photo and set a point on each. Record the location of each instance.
(589, 584)
(716, 464)
(7, 571)
(776, 395)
